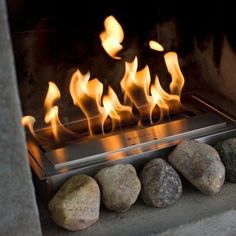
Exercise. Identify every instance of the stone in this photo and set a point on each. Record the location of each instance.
(76, 204)
(119, 186)
(200, 164)
(227, 151)
(161, 185)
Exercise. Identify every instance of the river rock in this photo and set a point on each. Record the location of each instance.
(200, 164)
(161, 185)
(76, 204)
(227, 151)
(119, 186)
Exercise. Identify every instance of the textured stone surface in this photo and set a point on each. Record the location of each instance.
(227, 151)
(200, 164)
(119, 185)
(18, 211)
(161, 185)
(76, 204)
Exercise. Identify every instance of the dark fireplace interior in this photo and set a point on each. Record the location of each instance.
(52, 39)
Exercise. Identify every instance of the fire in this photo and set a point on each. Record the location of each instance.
(155, 46)
(114, 108)
(143, 99)
(87, 95)
(112, 37)
(28, 121)
(135, 85)
(51, 116)
(172, 64)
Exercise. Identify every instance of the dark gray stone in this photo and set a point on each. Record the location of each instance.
(18, 211)
(161, 185)
(119, 186)
(200, 164)
(76, 204)
(227, 151)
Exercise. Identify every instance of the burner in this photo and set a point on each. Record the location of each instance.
(203, 122)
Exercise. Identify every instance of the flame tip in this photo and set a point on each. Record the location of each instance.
(112, 37)
(155, 46)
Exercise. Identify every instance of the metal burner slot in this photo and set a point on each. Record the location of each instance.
(132, 142)
(80, 127)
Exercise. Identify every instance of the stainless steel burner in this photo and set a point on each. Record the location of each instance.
(52, 167)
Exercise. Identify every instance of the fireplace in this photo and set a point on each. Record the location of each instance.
(98, 112)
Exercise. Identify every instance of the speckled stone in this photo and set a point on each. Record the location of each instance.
(161, 185)
(200, 164)
(76, 204)
(227, 151)
(119, 186)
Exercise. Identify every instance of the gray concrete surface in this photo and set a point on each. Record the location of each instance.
(219, 225)
(18, 210)
(141, 220)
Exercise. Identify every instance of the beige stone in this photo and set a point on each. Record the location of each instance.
(200, 164)
(76, 204)
(119, 185)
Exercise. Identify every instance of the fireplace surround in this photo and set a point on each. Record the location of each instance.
(212, 71)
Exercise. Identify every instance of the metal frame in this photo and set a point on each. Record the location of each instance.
(51, 168)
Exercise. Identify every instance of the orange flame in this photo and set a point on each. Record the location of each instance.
(164, 100)
(172, 64)
(87, 94)
(53, 94)
(112, 37)
(28, 121)
(135, 85)
(51, 116)
(138, 92)
(113, 107)
(155, 46)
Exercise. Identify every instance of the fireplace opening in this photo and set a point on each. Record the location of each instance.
(95, 73)
(107, 83)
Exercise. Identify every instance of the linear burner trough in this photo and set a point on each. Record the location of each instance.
(51, 167)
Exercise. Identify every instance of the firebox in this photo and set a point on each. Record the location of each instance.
(114, 88)
(110, 82)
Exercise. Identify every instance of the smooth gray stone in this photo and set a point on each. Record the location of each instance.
(161, 185)
(227, 151)
(120, 186)
(200, 164)
(18, 211)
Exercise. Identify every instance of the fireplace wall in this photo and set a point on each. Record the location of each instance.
(18, 211)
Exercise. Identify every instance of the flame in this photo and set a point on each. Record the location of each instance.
(172, 64)
(112, 36)
(158, 95)
(135, 85)
(51, 116)
(87, 94)
(53, 94)
(28, 121)
(164, 100)
(113, 107)
(139, 93)
(155, 46)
